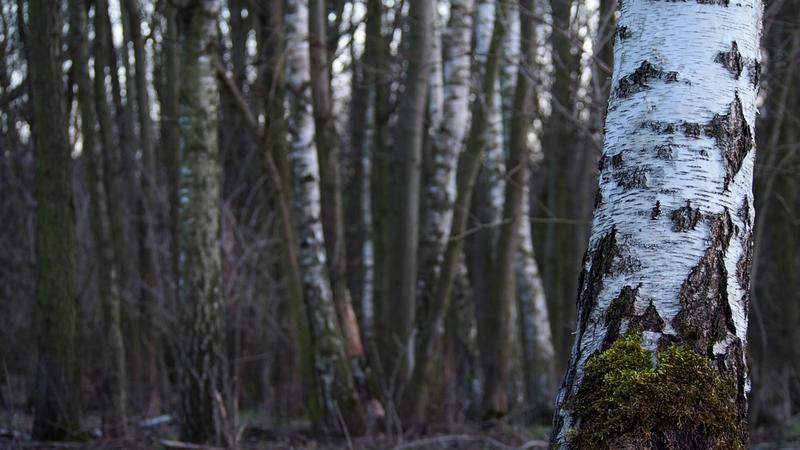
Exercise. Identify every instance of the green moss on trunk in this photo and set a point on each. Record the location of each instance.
(626, 402)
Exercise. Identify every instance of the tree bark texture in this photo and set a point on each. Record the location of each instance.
(671, 244)
(55, 395)
(202, 313)
(338, 395)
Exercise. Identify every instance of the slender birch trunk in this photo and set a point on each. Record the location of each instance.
(56, 388)
(538, 354)
(469, 163)
(202, 357)
(327, 142)
(448, 140)
(300, 354)
(497, 349)
(337, 390)
(664, 289)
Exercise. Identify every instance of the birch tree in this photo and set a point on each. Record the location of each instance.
(469, 163)
(327, 142)
(501, 290)
(659, 349)
(200, 294)
(336, 386)
(56, 387)
(447, 143)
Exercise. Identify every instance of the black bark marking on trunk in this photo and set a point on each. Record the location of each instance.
(731, 366)
(649, 320)
(620, 308)
(731, 60)
(602, 163)
(725, 3)
(745, 262)
(598, 198)
(705, 317)
(744, 212)
(733, 137)
(590, 283)
(665, 152)
(602, 265)
(686, 218)
(631, 178)
(640, 78)
(656, 211)
(623, 32)
(689, 129)
(754, 71)
(616, 160)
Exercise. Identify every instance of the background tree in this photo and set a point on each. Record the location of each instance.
(55, 396)
(202, 358)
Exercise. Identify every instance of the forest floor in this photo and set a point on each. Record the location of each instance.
(161, 433)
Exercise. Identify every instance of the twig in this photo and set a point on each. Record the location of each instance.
(486, 440)
(178, 445)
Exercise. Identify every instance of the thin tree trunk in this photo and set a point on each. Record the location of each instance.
(538, 355)
(337, 390)
(666, 277)
(432, 332)
(55, 395)
(327, 141)
(498, 341)
(559, 151)
(115, 384)
(448, 140)
(202, 356)
(408, 160)
(150, 261)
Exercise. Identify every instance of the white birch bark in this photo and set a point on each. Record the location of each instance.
(367, 245)
(335, 380)
(200, 265)
(674, 216)
(436, 94)
(448, 140)
(493, 173)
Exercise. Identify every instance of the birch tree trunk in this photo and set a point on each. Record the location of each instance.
(447, 144)
(538, 354)
(433, 331)
(56, 388)
(665, 283)
(337, 390)
(202, 357)
(497, 343)
(327, 142)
